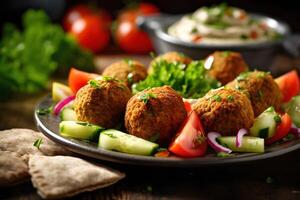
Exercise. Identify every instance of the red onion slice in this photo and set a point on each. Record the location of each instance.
(295, 131)
(211, 138)
(239, 137)
(61, 104)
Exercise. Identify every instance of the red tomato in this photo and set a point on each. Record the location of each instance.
(289, 85)
(282, 129)
(91, 33)
(131, 39)
(190, 141)
(78, 79)
(73, 14)
(187, 106)
(147, 9)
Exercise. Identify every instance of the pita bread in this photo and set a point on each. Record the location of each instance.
(13, 169)
(65, 176)
(21, 141)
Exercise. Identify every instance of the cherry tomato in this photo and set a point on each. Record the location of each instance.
(78, 79)
(73, 14)
(131, 39)
(190, 141)
(91, 33)
(147, 9)
(282, 129)
(289, 85)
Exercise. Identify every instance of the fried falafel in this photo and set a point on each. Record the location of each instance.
(225, 65)
(127, 71)
(224, 110)
(155, 113)
(102, 102)
(261, 89)
(172, 56)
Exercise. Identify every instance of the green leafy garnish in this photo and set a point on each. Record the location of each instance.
(217, 98)
(145, 97)
(29, 57)
(45, 111)
(128, 62)
(277, 119)
(37, 143)
(230, 98)
(191, 81)
(94, 84)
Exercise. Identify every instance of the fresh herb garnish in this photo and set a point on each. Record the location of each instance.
(277, 119)
(130, 78)
(243, 76)
(45, 111)
(192, 81)
(94, 84)
(37, 143)
(145, 97)
(230, 98)
(216, 97)
(108, 78)
(128, 61)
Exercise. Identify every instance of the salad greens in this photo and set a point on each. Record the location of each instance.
(191, 81)
(28, 58)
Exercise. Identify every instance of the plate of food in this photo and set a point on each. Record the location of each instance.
(221, 27)
(179, 112)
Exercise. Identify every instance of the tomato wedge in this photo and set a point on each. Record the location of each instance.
(190, 141)
(78, 79)
(187, 106)
(282, 129)
(289, 85)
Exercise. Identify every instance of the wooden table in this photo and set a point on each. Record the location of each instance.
(276, 178)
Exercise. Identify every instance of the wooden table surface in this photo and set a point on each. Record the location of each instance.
(275, 178)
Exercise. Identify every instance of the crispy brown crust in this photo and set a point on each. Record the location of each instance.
(261, 89)
(227, 66)
(226, 114)
(172, 56)
(104, 106)
(161, 115)
(120, 70)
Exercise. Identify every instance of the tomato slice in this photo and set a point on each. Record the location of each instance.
(190, 141)
(289, 85)
(78, 79)
(282, 129)
(187, 106)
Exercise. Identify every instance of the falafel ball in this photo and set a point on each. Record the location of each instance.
(225, 111)
(261, 89)
(172, 56)
(225, 65)
(155, 113)
(102, 102)
(127, 71)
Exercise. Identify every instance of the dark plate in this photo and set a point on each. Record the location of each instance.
(48, 125)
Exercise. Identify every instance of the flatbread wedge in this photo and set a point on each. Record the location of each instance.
(65, 176)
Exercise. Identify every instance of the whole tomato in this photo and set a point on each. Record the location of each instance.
(91, 32)
(74, 13)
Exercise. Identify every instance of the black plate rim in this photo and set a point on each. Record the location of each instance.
(131, 159)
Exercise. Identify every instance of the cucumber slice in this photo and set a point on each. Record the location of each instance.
(68, 114)
(116, 140)
(80, 130)
(265, 124)
(249, 144)
(293, 109)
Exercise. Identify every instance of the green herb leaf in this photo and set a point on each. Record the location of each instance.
(94, 84)
(145, 97)
(277, 119)
(230, 98)
(217, 98)
(37, 143)
(45, 111)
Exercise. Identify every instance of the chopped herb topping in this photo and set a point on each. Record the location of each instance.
(37, 143)
(277, 119)
(145, 97)
(128, 62)
(130, 78)
(243, 76)
(194, 30)
(154, 137)
(108, 78)
(94, 84)
(230, 98)
(216, 97)
(44, 111)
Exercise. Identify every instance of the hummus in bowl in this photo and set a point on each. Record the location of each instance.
(222, 24)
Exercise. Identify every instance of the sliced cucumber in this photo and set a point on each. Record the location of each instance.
(293, 109)
(265, 124)
(68, 114)
(80, 130)
(116, 140)
(249, 144)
